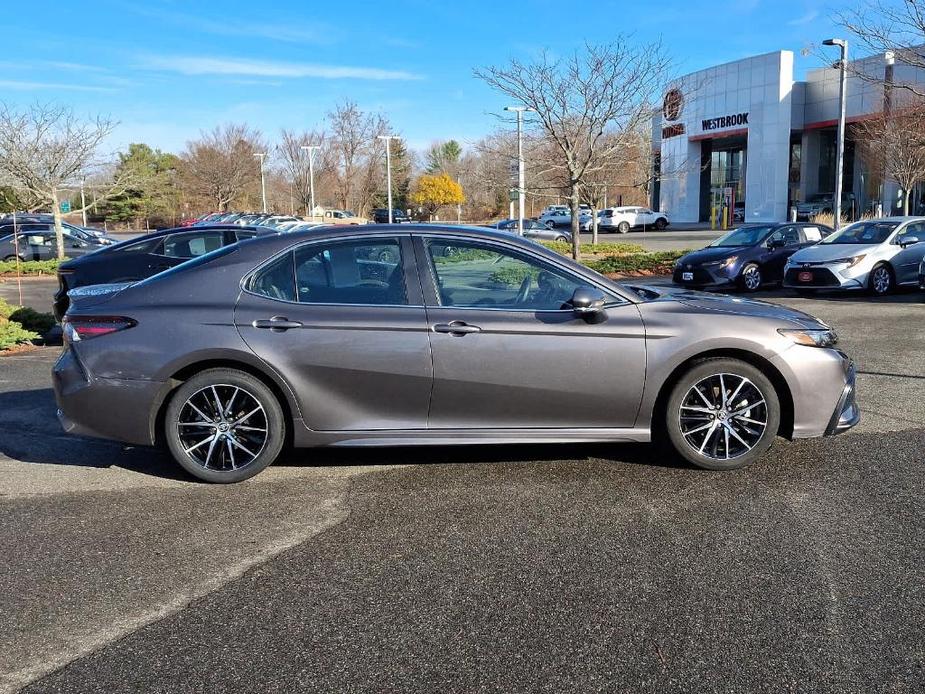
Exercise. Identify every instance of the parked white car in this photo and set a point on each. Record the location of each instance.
(557, 216)
(877, 255)
(622, 219)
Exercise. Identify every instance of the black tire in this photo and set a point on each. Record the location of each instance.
(750, 279)
(12, 258)
(623, 227)
(562, 239)
(224, 379)
(733, 371)
(661, 223)
(881, 281)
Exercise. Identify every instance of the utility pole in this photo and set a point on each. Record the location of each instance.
(520, 164)
(311, 172)
(840, 143)
(388, 168)
(263, 182)
(83, 203)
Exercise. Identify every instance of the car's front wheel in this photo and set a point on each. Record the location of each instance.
(750, 280)
(562, 239)
(224, 425)
(881, 280)
(660, 224)
(722, 414)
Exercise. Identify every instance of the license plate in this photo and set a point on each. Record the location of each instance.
(805, 277)
(687, 276)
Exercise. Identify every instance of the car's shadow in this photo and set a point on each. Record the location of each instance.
(30, 433)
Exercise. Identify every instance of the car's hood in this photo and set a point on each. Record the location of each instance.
(723, 303)
(831, 251)
(706, 255)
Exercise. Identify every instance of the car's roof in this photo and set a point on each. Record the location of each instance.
(898, 219)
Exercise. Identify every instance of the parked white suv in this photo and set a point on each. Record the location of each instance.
(623, 219)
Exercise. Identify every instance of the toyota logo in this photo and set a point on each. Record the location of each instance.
(672, 104)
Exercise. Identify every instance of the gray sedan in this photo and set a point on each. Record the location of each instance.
(534, 230)
(375, 336)
(37, 242)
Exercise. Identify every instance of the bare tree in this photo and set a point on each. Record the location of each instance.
(220, 165)
(889, 26)
(358, 156)
(46, 150)
(295, 164)
(588, 105)
(894, 144)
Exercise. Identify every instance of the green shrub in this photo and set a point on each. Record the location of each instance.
(29, 267)
(13, 334)
(606, 248)
(30, 319)
(661, 261)
(6, 309)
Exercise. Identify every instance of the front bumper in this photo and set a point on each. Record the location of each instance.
(821, 275)
(847, 414)
(704, 277)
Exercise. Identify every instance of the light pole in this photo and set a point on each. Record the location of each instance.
(520, 164)
(388, 168)
(263, 182)
(83, 203)
(311, 172)
(840, 143)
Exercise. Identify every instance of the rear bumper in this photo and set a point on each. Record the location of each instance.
(107, 408)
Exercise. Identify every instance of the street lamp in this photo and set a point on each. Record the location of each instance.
(520, 164)
(263, 182)
(388, 168)
(840, 143)
(83, 203)
(311, 172)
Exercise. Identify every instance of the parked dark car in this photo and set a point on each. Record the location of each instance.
(39, 242)
(748, 256)
(456, 335)
(381, 216)
(135, 259)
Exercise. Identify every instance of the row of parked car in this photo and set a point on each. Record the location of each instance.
(612, 219)
(32, 237)
(877, 255)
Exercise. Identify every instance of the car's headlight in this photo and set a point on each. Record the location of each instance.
(850, 262)
(722, 264)
(811, 338)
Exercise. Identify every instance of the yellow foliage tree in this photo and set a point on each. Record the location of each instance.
(433, 192)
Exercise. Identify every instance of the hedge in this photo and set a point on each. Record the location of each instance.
(29, 267)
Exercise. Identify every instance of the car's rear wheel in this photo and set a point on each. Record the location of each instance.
(623, 227)
(750, 280)
(881, 280)
(224, 425)
(722, 414)
(12, 258)
(660, 224)
(562, 239)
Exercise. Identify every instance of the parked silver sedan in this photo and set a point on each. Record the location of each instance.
(535, 230)
(877, 255)
(380, 336)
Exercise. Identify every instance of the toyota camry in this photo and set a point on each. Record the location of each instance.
(376, 336)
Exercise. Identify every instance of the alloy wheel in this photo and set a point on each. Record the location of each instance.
(222, 427)
(751, 277)
(881, 280)
(723, 416)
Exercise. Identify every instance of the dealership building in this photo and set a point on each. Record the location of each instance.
(746, 137)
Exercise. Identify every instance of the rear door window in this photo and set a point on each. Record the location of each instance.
(193, 244)
(812, 234)
(364, 271)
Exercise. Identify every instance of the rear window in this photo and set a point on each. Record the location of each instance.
(192, 264)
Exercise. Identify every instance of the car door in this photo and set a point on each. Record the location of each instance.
(906, 261)
(779, 246)
(646, 217)
(342, 321)
(507, 351)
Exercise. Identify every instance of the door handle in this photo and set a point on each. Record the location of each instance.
(277, 323)
(456, 327)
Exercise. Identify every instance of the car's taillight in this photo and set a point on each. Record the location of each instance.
(77, 328)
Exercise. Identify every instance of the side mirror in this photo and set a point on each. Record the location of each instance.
(775, 243)
(908, 240)
(588, 301)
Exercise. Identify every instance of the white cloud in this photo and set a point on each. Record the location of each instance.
(805, 19)
(26, 86)
(193, 65)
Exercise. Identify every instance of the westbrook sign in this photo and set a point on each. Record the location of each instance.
(725, 121)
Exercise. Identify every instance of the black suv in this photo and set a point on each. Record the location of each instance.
(381, 216)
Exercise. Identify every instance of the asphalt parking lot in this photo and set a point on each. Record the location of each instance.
(591, 568)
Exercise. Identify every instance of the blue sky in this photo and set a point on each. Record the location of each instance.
(168, 69)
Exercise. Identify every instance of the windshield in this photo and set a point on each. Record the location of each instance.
(744, 236)
(862, 233)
